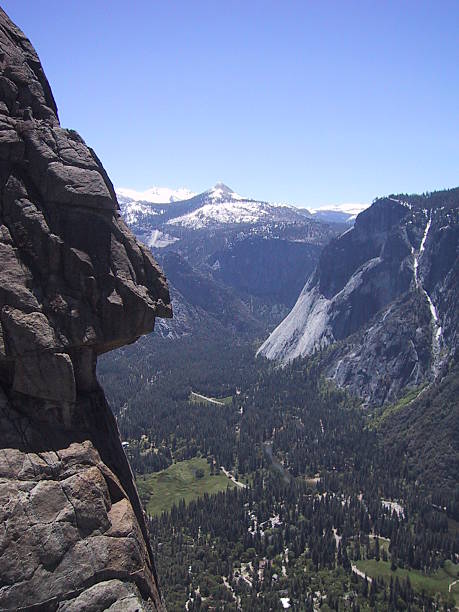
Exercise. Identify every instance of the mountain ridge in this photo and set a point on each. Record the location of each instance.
(154, 195)
(132, 201)
(214, 207)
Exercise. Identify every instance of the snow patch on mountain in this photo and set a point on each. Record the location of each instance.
(222, 206)
(133, 211)
(223, 214)
(338, 213)
(221, 193)
(159, 240)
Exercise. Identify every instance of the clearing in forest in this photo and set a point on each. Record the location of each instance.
(437, 582)
(197, 398)
(185, 480)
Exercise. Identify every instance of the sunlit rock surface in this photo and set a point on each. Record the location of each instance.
(383, 298)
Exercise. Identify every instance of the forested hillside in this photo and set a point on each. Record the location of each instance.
(423, 429)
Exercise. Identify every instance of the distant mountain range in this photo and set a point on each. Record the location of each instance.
(338, 213)
(255, 255)
(218, 206)
(154, 195)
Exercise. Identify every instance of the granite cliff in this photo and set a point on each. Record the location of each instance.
(74, 283)
(383, 299)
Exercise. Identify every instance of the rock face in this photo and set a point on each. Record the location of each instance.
(267, 268)
(384, 295)
(74, 283)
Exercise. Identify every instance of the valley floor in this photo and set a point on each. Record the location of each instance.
(270, 488)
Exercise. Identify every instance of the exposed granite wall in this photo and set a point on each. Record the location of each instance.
(383, 298)
(74, 283)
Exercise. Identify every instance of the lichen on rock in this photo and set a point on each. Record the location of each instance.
(74, 283)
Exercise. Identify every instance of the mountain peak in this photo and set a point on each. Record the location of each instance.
(220, 186)
(220, 190)
(220, 193)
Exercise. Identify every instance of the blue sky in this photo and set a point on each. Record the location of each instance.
(307, 102)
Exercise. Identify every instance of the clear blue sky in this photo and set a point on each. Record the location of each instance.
(308, 102)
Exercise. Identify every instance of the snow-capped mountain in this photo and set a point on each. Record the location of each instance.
(139, 207)
(255, 253)
(220, 206)
(338, 213)
(154, 195)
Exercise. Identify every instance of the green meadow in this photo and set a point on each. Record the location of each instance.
(185, 480)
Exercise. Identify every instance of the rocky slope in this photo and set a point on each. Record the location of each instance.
(384, 295)
(205, 301)
(74, 283)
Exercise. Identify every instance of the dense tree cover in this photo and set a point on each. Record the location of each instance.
(325, 491)
(149, 387)
(271, 540)
(446, 198)
(426, 435)
(155, 370)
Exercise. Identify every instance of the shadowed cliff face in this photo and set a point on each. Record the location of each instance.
(74, 283)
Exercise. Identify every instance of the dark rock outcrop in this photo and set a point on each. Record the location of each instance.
(267, 268)
(384, 294)
(74, 283)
